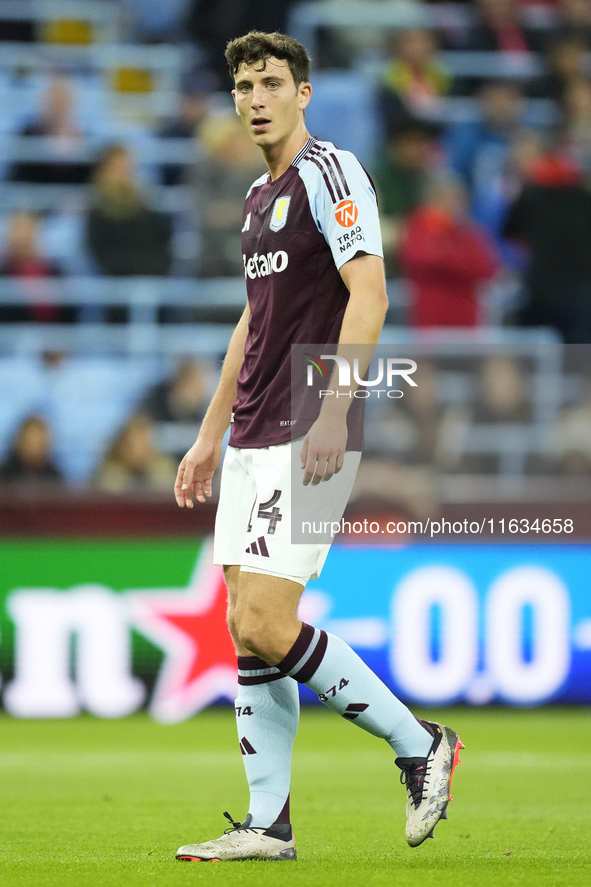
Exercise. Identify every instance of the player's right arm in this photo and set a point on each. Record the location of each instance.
(197, 467)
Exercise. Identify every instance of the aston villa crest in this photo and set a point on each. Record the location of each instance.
(279, 215)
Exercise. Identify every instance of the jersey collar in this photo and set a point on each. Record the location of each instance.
(303, 151)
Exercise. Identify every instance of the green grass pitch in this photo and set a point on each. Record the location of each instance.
(90, 802)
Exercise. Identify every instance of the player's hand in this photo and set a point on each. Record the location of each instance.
(323, 449)
(196, 472)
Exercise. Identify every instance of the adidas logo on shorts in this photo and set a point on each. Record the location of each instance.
(258, 547)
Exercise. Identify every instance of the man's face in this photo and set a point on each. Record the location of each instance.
(500, 104)
(410, 150)
(268, 101)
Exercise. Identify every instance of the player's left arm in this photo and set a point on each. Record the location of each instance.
(323, 450)
(368, 302)
(351, 227)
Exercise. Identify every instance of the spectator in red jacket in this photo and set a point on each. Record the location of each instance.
(445, 258)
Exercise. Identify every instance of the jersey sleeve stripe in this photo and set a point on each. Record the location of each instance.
(334, 176)
(335, 160)
(329, 169)
(325, 177)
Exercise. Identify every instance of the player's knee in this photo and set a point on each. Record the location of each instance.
(253, 632)
(254, 639)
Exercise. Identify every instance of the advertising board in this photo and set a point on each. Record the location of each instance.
(111, 627)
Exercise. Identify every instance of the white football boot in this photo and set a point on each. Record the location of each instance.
(428, 783)
(240, 841)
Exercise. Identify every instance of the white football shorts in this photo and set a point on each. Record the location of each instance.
(253, 526)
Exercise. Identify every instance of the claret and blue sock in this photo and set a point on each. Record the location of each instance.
(267, 716)
(267, 713)
(343, 682)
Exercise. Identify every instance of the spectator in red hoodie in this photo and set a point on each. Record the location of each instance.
(445, 258)
(552, 216)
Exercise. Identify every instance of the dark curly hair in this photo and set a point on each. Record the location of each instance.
(258, 46)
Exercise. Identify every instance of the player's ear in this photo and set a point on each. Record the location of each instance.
(235, 106)
(305, 94)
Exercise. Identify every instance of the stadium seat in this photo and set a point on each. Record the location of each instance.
(89, 398)
(344, 112)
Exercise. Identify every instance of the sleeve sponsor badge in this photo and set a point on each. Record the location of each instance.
(346, 213)
(279, 214)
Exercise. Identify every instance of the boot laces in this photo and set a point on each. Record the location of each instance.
(238, 826)
(415, 776)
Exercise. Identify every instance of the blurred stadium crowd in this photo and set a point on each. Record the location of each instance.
(123, 173)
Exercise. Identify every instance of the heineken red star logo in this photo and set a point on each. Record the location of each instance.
(190, 627)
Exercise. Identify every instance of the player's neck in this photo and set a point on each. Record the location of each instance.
(278, 157)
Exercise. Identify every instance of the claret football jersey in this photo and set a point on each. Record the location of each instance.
(297, 231)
